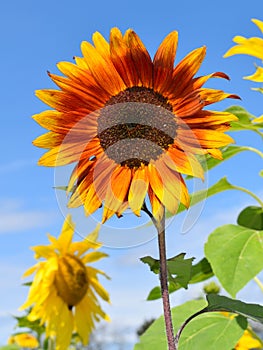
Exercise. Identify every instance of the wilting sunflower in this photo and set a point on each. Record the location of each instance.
(63, 291)
(132, 124)
(24, 340)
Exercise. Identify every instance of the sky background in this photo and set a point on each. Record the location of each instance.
(37, 35)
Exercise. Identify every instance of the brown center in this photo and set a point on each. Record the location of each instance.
(136, 126)
(71, 279)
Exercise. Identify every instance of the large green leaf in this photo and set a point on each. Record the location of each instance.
(245, 120)
(236, 255)
(208, 331)
(251, 217)
(199, 272)
(10, 347)
(219, 302)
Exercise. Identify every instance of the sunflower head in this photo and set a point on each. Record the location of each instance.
(133, 125)
(63, 294)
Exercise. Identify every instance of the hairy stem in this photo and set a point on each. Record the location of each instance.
(160, 226)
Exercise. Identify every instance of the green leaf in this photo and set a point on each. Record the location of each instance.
(244, 120)
(251, 217)
(236, 255)
(196, 197)
(181, 267)
(177, 265)
(219, 302)
(208, 331)
(261, 173)
(10, 347)
(153, 263)
(23, 322)
(199, 272)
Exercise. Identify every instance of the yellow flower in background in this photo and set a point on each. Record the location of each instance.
(248, 342)
(131, 123)
(250, 46)
(63, 294)
(24, 340)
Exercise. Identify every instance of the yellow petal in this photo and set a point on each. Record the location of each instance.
(138, 189)
(251, 46)
(257, 76)
(258, 23)
(66, 235)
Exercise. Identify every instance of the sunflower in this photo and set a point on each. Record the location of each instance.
(252, 47)
(24, 340)
(63, 291)
(132, 124)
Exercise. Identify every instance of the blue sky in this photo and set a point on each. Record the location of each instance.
(37, 35)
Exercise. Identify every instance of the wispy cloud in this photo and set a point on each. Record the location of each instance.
(15, 217)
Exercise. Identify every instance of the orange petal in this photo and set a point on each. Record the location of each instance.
(184, 72)
(138, 189)
(79, 91)
(173, 182)
(157, 207)
(189, 105)
(164, 61)
(48, 140)
(61, 101)
(212, 138)
(69, 152)
(182, 162)
(165, 186)
(122, 59)
(117, 191)
(206, 118)
(140, 57)
(103, 72)
(211, 95)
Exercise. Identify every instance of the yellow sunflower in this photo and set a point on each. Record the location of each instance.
(63, 291)
(24, 340)
(132, 124)
(252, 47)
(248, 342)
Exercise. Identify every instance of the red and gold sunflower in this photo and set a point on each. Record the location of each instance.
(133, 125)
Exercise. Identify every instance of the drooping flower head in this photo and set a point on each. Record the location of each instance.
(132, 124)
(63, 294)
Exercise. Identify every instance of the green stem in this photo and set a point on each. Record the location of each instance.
(255, 150)
(259, 283)
(51, 344)
(242, 189)
(160, 226)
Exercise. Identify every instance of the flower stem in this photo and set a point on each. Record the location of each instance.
(259, 283)
(160, 226)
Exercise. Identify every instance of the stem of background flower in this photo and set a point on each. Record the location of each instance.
(160, 226)
(259, 283)
(51, 344)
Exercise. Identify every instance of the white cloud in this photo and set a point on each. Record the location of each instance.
(14, 217)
